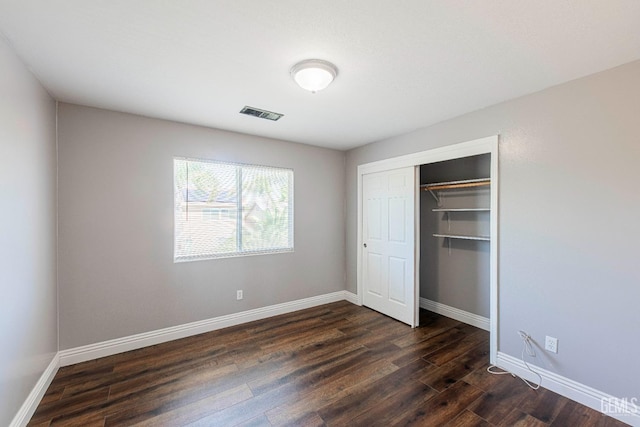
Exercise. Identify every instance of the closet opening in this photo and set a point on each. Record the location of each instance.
(454, 239)
(447, 262)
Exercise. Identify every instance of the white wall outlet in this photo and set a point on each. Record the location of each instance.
(239, 295)
(551, 344)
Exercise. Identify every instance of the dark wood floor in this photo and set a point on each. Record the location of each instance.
(338, 364)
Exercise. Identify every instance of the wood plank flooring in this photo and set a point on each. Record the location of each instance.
(337, 365)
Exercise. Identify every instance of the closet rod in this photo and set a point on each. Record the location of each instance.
(456, 184)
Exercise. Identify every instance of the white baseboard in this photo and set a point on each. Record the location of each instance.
(455, 313)
(351, 297)
(573, 390)
(32, 401)
(133, 342)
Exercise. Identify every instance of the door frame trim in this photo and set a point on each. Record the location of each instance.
(487, 145)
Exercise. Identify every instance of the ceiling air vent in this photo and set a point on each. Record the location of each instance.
(263, 114)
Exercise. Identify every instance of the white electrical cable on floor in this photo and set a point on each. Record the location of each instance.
(526, 346)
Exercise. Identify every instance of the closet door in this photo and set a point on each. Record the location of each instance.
(388, 252)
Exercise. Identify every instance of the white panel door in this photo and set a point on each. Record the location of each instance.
(388, 250)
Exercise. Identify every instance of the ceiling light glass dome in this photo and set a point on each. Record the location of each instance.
(314, 74)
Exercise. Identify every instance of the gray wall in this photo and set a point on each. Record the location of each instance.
(569, 220)
(456, 272)
(28, 307)
(116, 270)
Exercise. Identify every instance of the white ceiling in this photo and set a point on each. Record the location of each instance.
(402, 64)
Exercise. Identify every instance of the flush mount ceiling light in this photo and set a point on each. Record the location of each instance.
(314, 74)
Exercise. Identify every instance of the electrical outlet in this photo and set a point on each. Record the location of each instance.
(239, 295)
(551, 344)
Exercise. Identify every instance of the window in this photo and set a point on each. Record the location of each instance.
(225, 209)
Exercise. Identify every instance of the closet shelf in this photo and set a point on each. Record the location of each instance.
(454, 185)
(463, 237)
